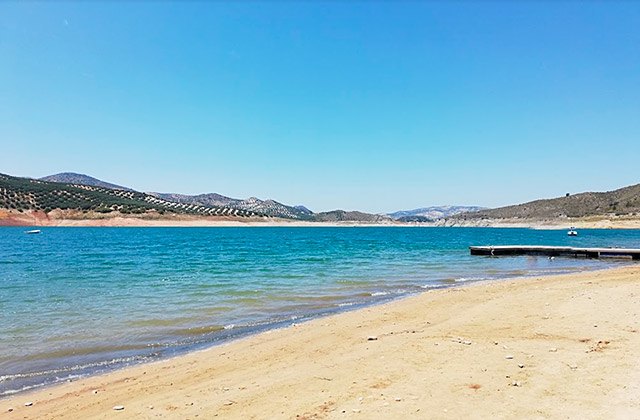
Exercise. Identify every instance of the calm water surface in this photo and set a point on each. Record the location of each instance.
(75, 301)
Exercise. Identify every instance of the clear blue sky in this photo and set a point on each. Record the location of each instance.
(356, 105)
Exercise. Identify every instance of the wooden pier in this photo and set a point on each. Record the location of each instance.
(556, 251)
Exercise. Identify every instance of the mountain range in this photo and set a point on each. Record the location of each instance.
(254, 205)
(73, 191)
(266, 207)
(274, 208)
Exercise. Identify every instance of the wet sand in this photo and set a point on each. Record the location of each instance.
(547, 347)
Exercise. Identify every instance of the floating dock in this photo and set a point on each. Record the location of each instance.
(556, 251)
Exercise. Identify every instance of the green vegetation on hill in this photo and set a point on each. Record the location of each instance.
(621, 202)
(74, 178)
(88, 194)
(29, 194)
(267, 207)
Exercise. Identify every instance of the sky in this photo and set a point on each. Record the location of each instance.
(374, 106)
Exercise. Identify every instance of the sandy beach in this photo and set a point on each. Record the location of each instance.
(547, 347)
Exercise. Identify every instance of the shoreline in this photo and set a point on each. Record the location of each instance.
(265, 326)
(141, 223)
(326, 365)
(59, 218)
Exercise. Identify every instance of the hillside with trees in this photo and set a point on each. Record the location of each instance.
(27, 195)
(24, 194)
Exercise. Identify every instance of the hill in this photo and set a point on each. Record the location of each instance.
(350, 216)
(267, 207)
(622, 202)
(427, 214)
(22, 194)
(73, 178)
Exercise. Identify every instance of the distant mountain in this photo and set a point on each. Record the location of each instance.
(81, 179)
(427, 214)
(350, 216)
(266, 207)
(211, 199)
(415, 219)
(303, 209)
(621, 202)
(273, 208)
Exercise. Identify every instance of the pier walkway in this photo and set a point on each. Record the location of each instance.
(556, 251)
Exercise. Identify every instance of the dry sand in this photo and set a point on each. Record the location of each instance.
(554, 347)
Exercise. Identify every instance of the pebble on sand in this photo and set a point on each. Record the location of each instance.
(28, 404)
(520, 365)
(372, 338)
(553, 349)
(118, 407)
(508, 357)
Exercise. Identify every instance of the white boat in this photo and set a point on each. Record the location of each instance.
(32, 232)
(572, 232)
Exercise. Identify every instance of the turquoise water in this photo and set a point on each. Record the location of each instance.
(75, 301)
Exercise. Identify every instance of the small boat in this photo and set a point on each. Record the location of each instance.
(32, 232)
(572, 232)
